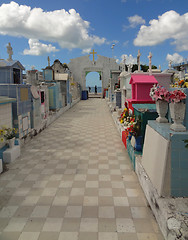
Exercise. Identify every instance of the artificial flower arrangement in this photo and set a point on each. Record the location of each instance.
(183, 83)
(7, 133)
(117, 85)
(157, 92)
(124, 115)
(177, 96)
(133, 126)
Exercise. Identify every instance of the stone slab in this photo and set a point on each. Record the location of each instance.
(155, 157)
(11, 154)
(170, 213)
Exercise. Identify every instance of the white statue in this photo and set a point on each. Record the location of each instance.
(170, 64)
(10, 52)
(149, 57)
(138, 60)
(130, 67)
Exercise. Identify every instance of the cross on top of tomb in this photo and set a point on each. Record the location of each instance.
(138, 59)
(9, 51)
(48, 61)
(93, 53)
(124, 59)
(149, 57)
(123, 63)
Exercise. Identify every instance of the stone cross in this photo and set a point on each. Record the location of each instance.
(93, 53)
(149, 57)
(10, 52)
(48, 61)
(138, 60)
(123, 65)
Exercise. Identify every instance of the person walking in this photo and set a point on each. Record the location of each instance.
(95, 89)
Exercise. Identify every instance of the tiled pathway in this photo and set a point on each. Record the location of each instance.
(74, 181)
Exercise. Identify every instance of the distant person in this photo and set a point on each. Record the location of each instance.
(95, 89)
(89, 89)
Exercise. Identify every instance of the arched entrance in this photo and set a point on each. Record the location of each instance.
(81, 66)
(94, 80)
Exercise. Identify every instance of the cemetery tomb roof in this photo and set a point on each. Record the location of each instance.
(48, 67)
(5, 63)
(143, 79)
(57, 61)
(170, 71)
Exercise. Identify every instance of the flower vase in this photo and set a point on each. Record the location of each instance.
(138, 143)
(11, 142)
(129, 136)
(177, 112)
(162, 108)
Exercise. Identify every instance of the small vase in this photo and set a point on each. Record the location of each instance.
(177, 112)
(129, 136)
(162, 108)
(11, 142)
(138, 143)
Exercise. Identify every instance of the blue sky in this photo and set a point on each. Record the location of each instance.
(38, 29)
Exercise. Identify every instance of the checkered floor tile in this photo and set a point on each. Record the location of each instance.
(74, 181)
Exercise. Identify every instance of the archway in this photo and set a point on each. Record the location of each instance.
(94, 79)
(81, 66)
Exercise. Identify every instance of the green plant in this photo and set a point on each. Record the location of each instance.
(7, 133)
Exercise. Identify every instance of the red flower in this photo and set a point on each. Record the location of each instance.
(177, 96)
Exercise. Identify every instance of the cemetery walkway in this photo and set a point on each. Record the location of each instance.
(74, 181)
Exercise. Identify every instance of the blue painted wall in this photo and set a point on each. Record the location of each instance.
(48, 74)
(6, 73)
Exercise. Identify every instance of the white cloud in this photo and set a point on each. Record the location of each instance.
(37, 48)
(175, 58)
(68, 29)
(170, 25)
(86, 50)
(125, 44)
(129, 59)
(112, 42)
(135, 21)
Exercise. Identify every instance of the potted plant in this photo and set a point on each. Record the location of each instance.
(8, 134)
(162, 97)
(177, 109)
